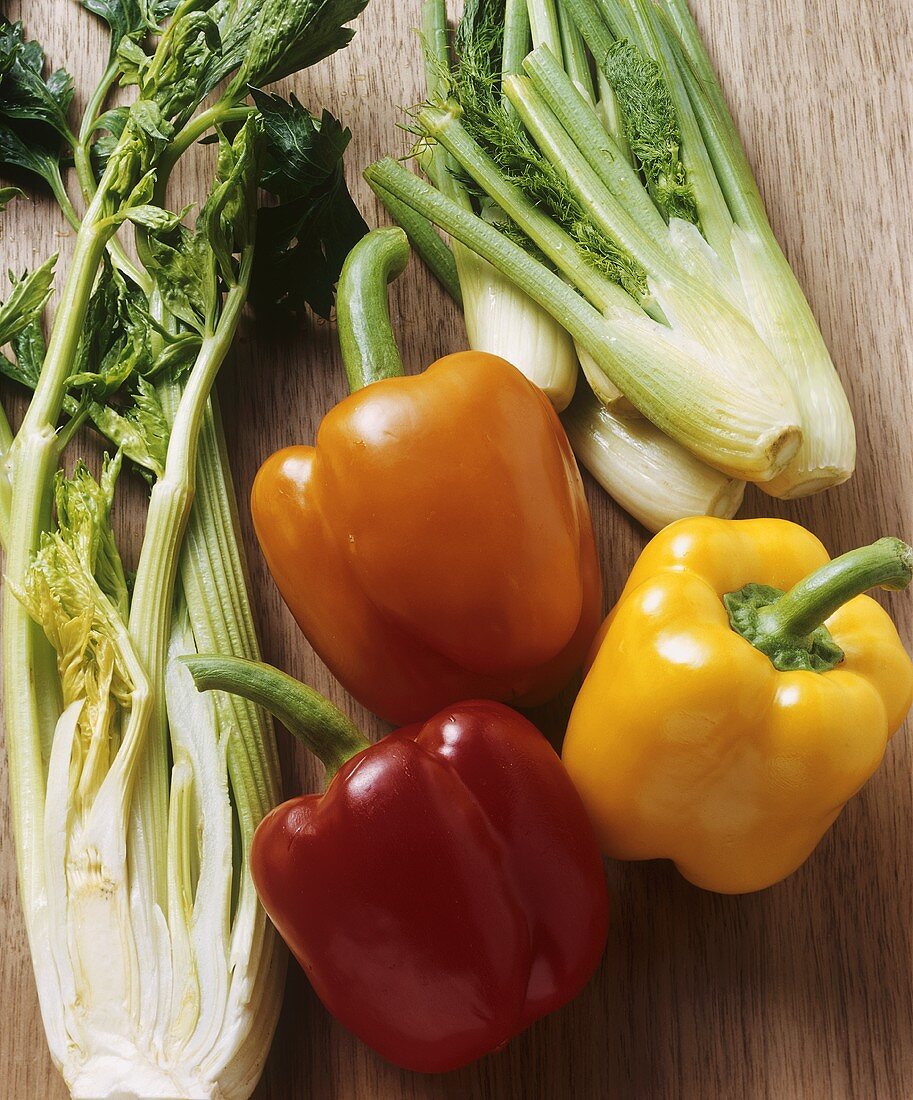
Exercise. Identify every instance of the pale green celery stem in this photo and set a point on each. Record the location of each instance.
(150, 611)
(31, 686)
(78, 418)
(214, 581)
(583, 126)
(716, 219)
(220, 113)
(603, 207)
(658, 375)
(90, 115)
(6, 489)
(59, 191)
(516, 36)
(610, 113)
(543, 21)
(83, 163)
(717, 126)
(6, 432)
(213, 567)
(435, 254)
(576, 61)
(557, 245)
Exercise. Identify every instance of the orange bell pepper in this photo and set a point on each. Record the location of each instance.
(436, 544)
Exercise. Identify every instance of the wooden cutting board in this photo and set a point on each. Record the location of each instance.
(805, 990)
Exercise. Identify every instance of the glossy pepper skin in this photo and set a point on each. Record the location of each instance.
(687, 743)
(444, 892)
(436, 544)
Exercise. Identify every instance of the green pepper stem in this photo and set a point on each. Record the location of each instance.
(319, 725)
(369, 350)
(887, 563)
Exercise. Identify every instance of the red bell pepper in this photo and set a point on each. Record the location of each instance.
(445, 891)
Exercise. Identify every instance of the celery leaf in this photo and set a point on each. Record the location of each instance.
(277, 38)
(116, 340)
(33, 109)
(7, 194)
(303, 241)
(140, 430)
(179, 261)
(26, 94)
(125, 18)
(109, 127)
(29, 296)
(84, 519)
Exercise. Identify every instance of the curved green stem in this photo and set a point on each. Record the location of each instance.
(6, 489)
(369, 350)
(63, 199)
(221, 112)
(82, 146)
(887, 563)
(789, 626)
(82, 159)
(436, 254)
(320, 726)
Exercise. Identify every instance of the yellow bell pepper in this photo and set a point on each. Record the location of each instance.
(739, 693)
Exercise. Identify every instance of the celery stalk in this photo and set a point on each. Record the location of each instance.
(576, 60)
(661, 374)
(777, 304)
(544, 24)
(652, 478)
(134, 806)
(500, 319)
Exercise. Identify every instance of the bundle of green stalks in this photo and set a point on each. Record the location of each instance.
(602, 211)
(134, 800)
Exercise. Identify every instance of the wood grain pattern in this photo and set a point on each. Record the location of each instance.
(803, 991)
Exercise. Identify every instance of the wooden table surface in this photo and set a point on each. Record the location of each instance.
(802, 991)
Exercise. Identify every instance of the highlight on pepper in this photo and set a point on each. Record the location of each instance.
(445, 890)
(740, 692)
(435, 545)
